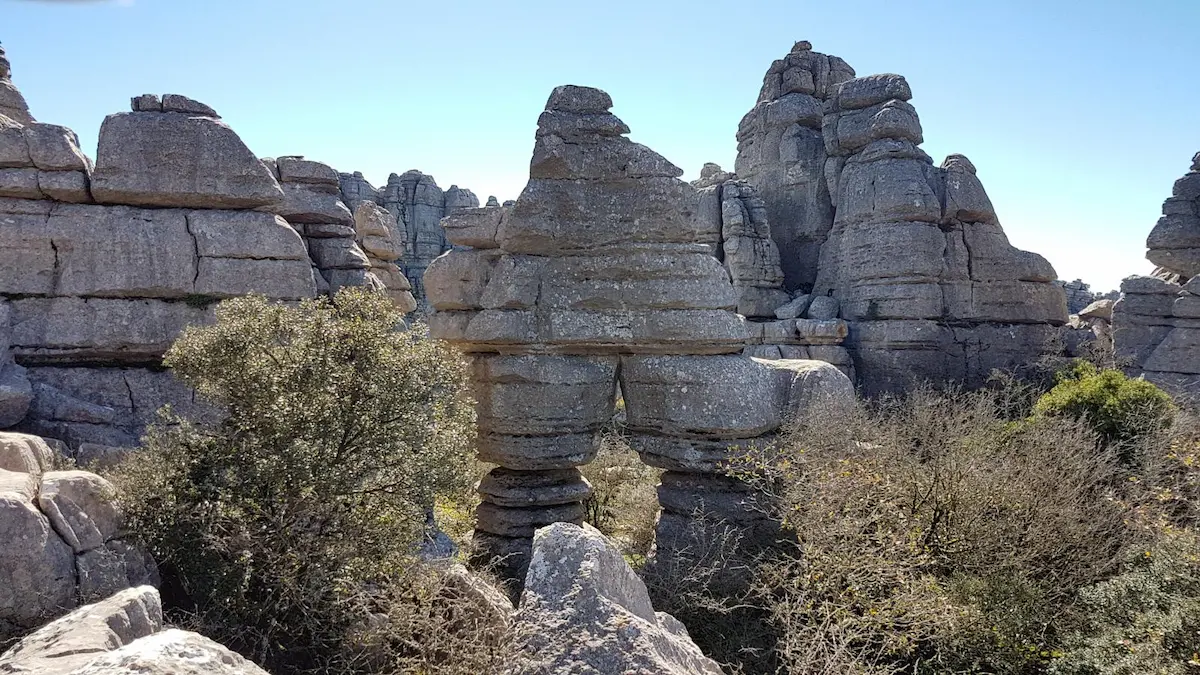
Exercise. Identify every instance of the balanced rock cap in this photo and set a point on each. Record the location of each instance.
(576, 99)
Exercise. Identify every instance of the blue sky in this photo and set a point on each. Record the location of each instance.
(1078, 115)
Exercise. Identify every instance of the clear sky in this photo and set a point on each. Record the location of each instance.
(1079, 115)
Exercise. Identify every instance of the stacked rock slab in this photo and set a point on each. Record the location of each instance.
(780, 325)
(63, 537)
(1156, 323)
(782, 153)
(913, 255)
(417, 206)
(12, 103)
(100, 272)
(377, 239)
(917, 257)
(312, 204)
(602, 271)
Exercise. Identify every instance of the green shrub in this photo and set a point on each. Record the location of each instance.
(1120, 409)
(624, 502)
(287, 528)
(1145, 621)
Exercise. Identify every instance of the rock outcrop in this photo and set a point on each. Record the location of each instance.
(1156, 323)
(585, 612)
(12, 103)
(378, 239)
(1174, 242)
(781, 151)
(416, 205)
(63, 537)
(102, 269)
(913, 254)
(602, 271)
(102, 266)
(121, 635)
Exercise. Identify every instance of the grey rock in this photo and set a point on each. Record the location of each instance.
(181, 104)
(171, 652)
(73, 640)
(795, 308)
(583, 610)
(82, 508)
(173, 159)
(823, 308)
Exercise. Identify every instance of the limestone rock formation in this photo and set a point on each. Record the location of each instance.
(416, 205)
(603, 270)
(911, 255)
(1174, 242)
(92, 294)
(584, 611)
(63, 537)
(377, 238)
(177, 156)
(12, 103)
(121, 635)
(1156, 323)
(781, 151)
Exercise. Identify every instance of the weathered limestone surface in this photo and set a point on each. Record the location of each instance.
(121, 635)
(102, 267)
(63, 537)
(182, 156)
(1156, 323)
(12, 103)
(584, 611)
(375, 236)
(602, 271)
(416, 206)
(911, 255)
(782, 153)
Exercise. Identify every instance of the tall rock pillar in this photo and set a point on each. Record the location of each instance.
(601, 272)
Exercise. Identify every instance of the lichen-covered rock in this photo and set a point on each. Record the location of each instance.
(121, 635)
(605, 268)
(73, 640)
(584, 611)
(12, 103)
(62, 531)
(179, 159)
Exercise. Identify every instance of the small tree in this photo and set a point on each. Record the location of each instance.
(283, 526)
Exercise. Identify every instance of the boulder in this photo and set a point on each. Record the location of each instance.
(178, 159)
(584, 611)
(73, 640)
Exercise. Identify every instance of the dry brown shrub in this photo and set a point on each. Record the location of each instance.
(931, 530)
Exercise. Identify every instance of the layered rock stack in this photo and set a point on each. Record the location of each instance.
(378, 239)
(781, 151)
(912, 255)
(417, 206)
(1156, 323)
(63, 538)
(12, 103)
(602, 271)
(312, 204)
(104, 265)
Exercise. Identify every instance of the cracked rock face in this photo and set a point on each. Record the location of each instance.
(912, 255)
(63, 534)
(603, 271)
(102, 266)
(1156, 322)
(584, 610)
